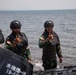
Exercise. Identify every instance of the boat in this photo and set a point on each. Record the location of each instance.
(13, 64)
(66, 70)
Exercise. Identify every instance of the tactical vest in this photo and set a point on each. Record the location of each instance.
(49, 49)
(23, 37)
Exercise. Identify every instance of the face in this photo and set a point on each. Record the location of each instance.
(16, 30)
(49, 29)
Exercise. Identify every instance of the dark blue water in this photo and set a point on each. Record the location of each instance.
(32, 26)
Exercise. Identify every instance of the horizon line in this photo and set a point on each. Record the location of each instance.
(36, 9)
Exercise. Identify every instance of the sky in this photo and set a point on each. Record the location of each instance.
(37, 4)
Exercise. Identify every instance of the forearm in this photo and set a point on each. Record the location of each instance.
(59, 53)
(28, 54)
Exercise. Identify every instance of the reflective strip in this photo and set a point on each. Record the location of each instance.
(27, 47)
(41, 38)
(8, 42)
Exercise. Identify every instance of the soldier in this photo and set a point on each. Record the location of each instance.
(50, 43)
(1, 38)
(17, 41)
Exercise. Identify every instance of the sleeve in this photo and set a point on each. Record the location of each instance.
(58, 48)
(43, 42)
(8, 43)
(28, 54)
(25, 41)
(1, 37)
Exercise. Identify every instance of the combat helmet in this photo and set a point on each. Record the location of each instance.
(15, 24)
(48, 24)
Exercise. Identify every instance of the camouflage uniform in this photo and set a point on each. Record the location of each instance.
(21, 50)
(50, 49)
(1, 37)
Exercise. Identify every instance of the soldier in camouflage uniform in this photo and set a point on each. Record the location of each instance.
(50, 43)
(1, 38)
(17, 41)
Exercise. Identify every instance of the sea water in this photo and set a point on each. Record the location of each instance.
(33, 26)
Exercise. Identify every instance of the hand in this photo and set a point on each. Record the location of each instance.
(50, 37)
(60, 59)
(29, 61)
(16, 41)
